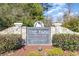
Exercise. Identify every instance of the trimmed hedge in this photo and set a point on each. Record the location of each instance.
(66, 41)
(10, 42)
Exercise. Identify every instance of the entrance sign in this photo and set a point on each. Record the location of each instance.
(36, 35)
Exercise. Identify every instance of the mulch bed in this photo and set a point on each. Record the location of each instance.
(24, 50)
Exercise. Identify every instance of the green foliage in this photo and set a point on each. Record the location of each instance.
(55, 52)
(10, 42)
(66, 41)
(34, 53)
(72, 24)
(29, 23)
(26, 13)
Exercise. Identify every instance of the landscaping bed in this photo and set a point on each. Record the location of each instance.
(63, 45)
(33, 51)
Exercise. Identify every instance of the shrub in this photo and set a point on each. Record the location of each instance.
(55, 52)
(66, 41)
(34, 53)
(10, 42)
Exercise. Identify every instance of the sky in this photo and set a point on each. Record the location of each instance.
(58, 10)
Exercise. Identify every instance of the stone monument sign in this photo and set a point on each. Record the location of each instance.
(38, 34)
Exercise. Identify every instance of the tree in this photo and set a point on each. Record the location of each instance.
(71, 21)
(72, 24)
(67, 13)
(26, 13)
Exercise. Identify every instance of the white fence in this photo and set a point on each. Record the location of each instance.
(19, 29)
